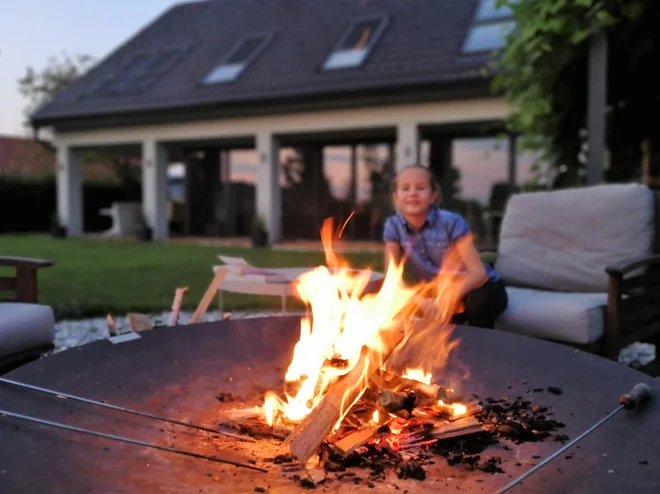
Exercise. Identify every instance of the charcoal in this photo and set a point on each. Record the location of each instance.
(412, 470)
(307, 483)
(554, 390)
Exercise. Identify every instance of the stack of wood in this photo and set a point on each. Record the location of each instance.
(389, 412)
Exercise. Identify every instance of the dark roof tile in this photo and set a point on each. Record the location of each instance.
(421, 44)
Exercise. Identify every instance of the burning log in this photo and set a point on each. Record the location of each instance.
(394, 402)
(349, 443)
(311, 432)
(391, 381)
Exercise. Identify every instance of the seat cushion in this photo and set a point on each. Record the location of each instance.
(564, 239)
(25, 326)
(559, 316)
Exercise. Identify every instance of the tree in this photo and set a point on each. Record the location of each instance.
(543, 72)
(40, 87)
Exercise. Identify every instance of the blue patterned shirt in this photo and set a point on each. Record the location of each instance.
(426, 248)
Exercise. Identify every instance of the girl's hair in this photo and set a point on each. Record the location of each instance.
(433, 182)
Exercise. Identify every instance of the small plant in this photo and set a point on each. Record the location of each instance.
(144, 232)
(258, 233)
(56, 229)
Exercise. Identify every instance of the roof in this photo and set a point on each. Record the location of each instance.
(24, 156)
(420, 46)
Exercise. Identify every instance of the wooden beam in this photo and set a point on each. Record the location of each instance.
(213, 288)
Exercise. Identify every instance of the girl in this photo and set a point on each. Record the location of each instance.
(430, 238)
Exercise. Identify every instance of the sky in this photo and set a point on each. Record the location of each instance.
(32, 31)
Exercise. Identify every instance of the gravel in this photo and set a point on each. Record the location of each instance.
(77, 332)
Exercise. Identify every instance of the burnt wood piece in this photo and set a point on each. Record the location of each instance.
(23, 286)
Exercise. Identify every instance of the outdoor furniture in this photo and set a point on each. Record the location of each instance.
(126, 218)
(581, 266)
(27, 328)
(247, 279)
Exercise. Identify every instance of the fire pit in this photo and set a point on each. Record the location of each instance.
(198, 373)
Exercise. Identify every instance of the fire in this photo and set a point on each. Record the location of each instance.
(344, 320)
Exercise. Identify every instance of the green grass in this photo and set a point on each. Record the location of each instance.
(92, 277)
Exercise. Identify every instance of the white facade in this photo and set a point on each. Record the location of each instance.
(264, 131)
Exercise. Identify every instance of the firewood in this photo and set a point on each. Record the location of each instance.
(139, 322)
(347, 444)
(176, 306)
(393, 382)
(112, 327)
(310, 433)
(393, 402)
(219, 277)
(467, 425)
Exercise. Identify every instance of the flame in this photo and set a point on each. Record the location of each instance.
(418, 375)
(345, 321)
(375, 419)
(458, 409)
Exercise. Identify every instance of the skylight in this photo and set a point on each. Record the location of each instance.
(490, 28)
(140, 72)
(356, 43)
(238, 59)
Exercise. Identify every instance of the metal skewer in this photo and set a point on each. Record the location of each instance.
(637, 396)
(128, 440)
(122, 409)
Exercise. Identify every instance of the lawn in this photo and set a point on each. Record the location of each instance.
(92, 277)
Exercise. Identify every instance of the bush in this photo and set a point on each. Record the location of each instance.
(29, 204)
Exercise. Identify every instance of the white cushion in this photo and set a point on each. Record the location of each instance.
(560, 316)
(25, 326)
(564, 239)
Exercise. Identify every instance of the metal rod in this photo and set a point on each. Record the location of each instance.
(558, 452)
(122, 409)
(128, 440)
(637, 396)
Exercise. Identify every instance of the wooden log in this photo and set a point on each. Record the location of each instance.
(349, 443)
(139, 322)
(310, 433)
(219, 277)
(112, 326)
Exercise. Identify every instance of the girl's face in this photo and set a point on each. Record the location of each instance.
(414, 195)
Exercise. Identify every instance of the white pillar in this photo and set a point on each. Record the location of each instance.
(154, 188)
(69, 190)
(269, 194)
(407, 145)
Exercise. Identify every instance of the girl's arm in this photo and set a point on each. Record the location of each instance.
(476, 272)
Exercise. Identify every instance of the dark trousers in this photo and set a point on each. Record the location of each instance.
(483, 305)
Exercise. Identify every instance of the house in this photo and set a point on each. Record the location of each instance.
(212, 76)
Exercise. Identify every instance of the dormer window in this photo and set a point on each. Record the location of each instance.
(356, 43)
(238, 59)
(490, 28)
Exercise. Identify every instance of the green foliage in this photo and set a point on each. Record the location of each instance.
(542, 71)
(39, 87)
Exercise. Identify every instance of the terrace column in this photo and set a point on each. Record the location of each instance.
(268, 193)
(69, 190)
(407, 145)
(154, 188)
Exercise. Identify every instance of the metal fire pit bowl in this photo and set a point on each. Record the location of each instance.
(177, 372)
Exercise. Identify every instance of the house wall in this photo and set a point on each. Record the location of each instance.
(265, 131)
